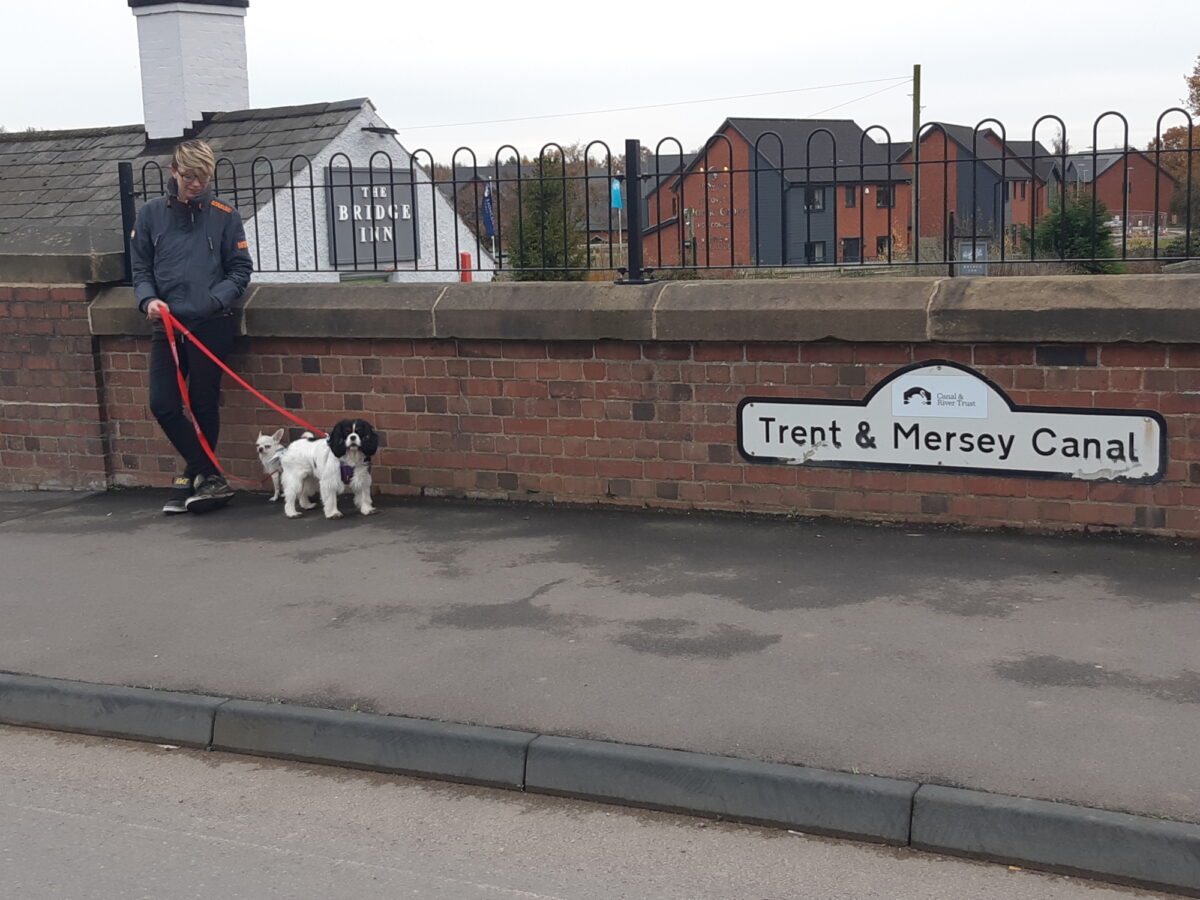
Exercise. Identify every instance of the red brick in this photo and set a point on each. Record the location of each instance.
(757, 496)
(1080, 399)
(615, 350)
(1141, 356)
(799, 375)
(935, 483)
(731, 474)
(667, 351)
(618, 468)
(1102, 514)
(960, 353)
(1179, 403)
(781, 353)
(572, 427)
(770, 474)
(891, 355)
(1002, 355)
(719, 353)
(1183, 521)
(825, 375)
(1029, 379)
(1181, 356)
(570, 350)
(827, 353)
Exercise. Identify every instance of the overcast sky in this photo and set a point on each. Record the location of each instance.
(442, 73)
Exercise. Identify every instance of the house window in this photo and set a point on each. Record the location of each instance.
(851, 249)
(883, 197)
(851, 196)
(814, 199)
(814, 252)
(883, 246)
(1022, 190)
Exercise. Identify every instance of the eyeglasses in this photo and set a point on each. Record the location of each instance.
(191, 179)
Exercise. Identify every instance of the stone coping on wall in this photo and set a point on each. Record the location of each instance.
(1049, 309)
(67, 255)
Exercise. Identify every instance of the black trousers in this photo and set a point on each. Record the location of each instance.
(204, 389)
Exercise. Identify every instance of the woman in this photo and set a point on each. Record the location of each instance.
(190, 257)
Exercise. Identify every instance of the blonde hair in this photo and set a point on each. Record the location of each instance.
(196, 157)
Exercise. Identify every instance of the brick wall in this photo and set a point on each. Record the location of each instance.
(654, 424)
(624, 395)
(51, 432)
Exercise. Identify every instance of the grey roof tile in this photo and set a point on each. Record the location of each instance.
(72, 175)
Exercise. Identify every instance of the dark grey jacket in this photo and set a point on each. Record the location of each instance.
(191, 255)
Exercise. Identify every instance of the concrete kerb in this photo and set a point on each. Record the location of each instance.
(858, 806)
(1039, 834)
(467, 753)
(138, 713)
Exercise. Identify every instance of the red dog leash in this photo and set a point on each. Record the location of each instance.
(170, 323)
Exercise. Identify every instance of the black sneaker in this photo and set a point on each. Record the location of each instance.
(212, 492)
(181, 489)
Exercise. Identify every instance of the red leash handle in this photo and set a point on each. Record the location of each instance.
(170, 323)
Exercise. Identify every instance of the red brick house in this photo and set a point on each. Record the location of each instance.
(1127, 182)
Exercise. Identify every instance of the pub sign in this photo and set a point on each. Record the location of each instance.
(372, 217)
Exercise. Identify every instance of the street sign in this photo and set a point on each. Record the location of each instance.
(942, 416)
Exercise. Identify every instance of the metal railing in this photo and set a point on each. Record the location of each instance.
(764, 199)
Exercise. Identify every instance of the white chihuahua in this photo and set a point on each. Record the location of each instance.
(269, 448)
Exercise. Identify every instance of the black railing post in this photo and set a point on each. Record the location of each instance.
(128, 213)
(634, 273)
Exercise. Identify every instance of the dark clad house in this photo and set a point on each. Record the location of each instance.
(976, 187)
(780, 192)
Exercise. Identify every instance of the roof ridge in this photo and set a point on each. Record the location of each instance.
(785, 119)
(280, 112)
(51, 134)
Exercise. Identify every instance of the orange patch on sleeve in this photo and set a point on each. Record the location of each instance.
(242, 245)
(219, 205)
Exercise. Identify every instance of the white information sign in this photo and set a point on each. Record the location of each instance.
(939, 415)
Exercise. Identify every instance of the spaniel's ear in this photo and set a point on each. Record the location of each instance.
(337, 440)
(370, 439)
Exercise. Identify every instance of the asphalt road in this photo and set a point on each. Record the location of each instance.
(93, 819)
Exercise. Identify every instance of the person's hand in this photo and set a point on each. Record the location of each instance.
(155, 309)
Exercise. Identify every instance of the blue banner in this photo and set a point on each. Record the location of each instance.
(617, 202)
(488, 225)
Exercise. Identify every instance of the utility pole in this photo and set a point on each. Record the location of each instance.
(915, 238)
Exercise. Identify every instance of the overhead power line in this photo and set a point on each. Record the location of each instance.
(898, 80)
(855, 100)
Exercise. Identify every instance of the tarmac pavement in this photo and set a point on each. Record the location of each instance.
(1061, 669)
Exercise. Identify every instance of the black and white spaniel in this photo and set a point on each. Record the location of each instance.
(340, 464)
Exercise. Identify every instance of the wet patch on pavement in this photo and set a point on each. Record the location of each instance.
(522, 613)
(1054, 671)
(364, 615)
(669, 637)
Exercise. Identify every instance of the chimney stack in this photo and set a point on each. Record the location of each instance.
(193, 57)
